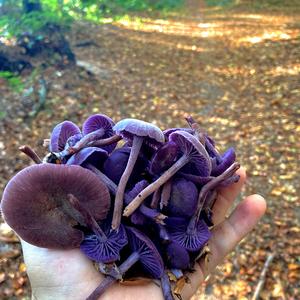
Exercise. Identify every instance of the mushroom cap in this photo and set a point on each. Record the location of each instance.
(228, 158)
(95, 156)
(164, 158)
(106, 250)
(150, 258)
(35, 203)
(177, 228)
(98, 121)
(60, 134)
(184, 198)
(167, 132)
(189, 144)
(128, 128)
(177, 256)
(116, 163)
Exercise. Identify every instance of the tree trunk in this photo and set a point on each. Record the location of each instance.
(31, 5)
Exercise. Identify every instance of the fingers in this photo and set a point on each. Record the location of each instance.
(226, 197)
(225, 237)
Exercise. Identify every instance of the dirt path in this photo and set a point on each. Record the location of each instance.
(236, 72)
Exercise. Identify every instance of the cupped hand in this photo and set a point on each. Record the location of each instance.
(68, 274)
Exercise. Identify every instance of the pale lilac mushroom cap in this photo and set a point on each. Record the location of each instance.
(128, 128)
(35, 203)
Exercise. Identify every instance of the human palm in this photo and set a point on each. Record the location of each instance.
(68, 274)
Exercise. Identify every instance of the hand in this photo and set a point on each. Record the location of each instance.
(57, 274)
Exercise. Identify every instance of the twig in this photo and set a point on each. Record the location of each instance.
(262, 276)
(30, 153)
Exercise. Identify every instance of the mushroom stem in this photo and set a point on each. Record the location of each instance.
(107, 181)
(30, 153)
(163, 234)
(136, 202)
(146, 211)
(165, 193)
(198, 131)
(204, 192)
(109, 280)
(155, 198)
(135, 149)
(92, 139)
(166, 287)
(196, 179)
(87, 219)
(105, 142)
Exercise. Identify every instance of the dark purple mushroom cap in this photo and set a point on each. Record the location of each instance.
(116, 163)
(93, 155)
(184, 198)
(128, 128)
(228, 158)
(60, 134)
(177, 256)
(189, 145)
(149, 256)
(105, 250)
(35, 203)
(163, 158)
(96, 122)
(194, 241)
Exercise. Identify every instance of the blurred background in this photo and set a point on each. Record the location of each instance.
(233, 65)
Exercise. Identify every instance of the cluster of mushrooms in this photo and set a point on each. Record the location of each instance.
(143, 208)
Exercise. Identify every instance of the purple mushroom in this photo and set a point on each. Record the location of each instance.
(93, 155)
(193, 151)
(116, 164)
(60, 134)
(163, 158)
(100, 123)
(100, 246)
(138, 132)
(227, 159)
(144, 212)
(35, 203)
(212, 184)
(183, 200)
(144, 252)
(191, 240)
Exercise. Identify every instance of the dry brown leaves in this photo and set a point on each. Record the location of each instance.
(237, 74)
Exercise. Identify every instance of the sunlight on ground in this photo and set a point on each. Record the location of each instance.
(219, 28)
(271, 35)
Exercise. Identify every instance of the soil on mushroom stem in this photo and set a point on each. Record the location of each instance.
(245, 97)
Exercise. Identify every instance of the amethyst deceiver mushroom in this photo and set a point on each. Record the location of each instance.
(227, 159)
(97, 123)
(144, 212)
(101, 246)
(163, 158)
(60, 134)
(191, 240)
(183, 199)
(192, 151)
(143, 251)
(35, 203)
(116, 163)
(138, 132)
(93, 155)
(212, 184)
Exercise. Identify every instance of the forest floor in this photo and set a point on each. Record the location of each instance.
(236, 72)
